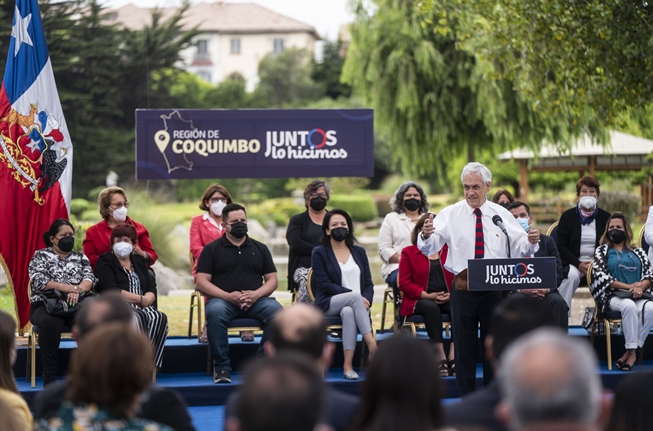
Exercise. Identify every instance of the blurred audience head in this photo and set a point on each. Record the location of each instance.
(284, 393)
(633, 399)
(503, 197)
(7, 352)
(105, 308)
(405, 197)
(301, 328)
(402, 388)
(550, 381)
(111, 368)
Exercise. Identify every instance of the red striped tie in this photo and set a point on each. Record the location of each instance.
(479, 245)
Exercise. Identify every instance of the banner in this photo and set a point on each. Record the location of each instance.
(512, 274)
(35, 151)
(254, 143)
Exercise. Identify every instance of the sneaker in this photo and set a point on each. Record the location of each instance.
(222, 376)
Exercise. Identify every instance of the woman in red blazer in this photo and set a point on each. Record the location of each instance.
(425, 286)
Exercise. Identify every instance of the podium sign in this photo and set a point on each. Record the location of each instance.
(512, 274)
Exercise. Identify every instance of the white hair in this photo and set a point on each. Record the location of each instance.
(477, 168)
(572, 395)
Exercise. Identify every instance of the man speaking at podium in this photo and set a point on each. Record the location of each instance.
(474, 229)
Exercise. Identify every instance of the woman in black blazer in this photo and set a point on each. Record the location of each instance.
(578, 234)
(303, 235)
(123, 270)
(342, 284)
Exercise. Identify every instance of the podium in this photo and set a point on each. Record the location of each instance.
(511, 274)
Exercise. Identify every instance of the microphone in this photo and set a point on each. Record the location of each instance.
(497, 220)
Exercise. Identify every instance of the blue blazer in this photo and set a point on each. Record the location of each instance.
(327, 277)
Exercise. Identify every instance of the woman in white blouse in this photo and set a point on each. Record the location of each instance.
(408, 204)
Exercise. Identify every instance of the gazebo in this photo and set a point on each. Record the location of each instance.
(623, 153)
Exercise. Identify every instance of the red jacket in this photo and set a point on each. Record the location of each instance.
(413, 278)
(98, 237)
(202, 232)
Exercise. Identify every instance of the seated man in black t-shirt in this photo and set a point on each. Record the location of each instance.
(237, 274)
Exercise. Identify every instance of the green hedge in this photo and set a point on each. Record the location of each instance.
(627, 203)
(360, 207)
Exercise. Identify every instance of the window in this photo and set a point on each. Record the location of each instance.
(202, 50)
(278, 45)
(204, 75)
(235, 46)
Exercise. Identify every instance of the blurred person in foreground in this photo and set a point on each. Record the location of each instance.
(109, 372)
(621, 281)
(285, 393)
(402, 390)
(157, 404)
(302, 328)
(633, 399)
(13, 402)
(550, 382)
(515, 317)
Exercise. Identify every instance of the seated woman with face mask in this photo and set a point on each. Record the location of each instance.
(621, 281)
(124, 270)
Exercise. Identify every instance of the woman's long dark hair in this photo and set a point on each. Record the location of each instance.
(7, 340)
(628, 242)
(632, 404)
(54, 229)
(326, 239)
(402, 390)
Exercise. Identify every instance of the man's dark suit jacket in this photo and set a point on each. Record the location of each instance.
(568, 236)
(340, 411)
(476, 409)
(160, 405)
(548, 249)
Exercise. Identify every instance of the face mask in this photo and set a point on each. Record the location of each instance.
(66, 243)
(217, 207)
(616, 236)
(412, 204)
(238, 229)
(120, 215)
(122, 249)
(339, 234)
(524, 223)
(588, 202)
(318, 203)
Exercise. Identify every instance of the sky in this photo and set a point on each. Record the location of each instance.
(325, 15)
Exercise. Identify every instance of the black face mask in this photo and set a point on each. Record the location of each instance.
(318, 203)
(412, 204)
(66, 243)
(339, 233)
(238, 229)
(616, 236)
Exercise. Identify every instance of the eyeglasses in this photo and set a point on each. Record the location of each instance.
(214, 200)
(120, 204)
(627, 268)
(322, 195)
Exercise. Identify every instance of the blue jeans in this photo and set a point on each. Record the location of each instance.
(392, 279)
(218, 315)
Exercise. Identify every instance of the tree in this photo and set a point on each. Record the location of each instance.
(587, 61)
(327, 72)
(285, 79)
(433, 99)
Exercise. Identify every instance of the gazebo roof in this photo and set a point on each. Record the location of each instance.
(623, 152)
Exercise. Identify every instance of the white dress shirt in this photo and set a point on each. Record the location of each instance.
(394, 235)
(456, 226)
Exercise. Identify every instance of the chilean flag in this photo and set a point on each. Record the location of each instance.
(36, 153)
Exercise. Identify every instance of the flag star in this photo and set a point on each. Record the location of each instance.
(34, 146)
(20, 31)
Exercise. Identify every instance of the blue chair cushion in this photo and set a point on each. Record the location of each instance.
(613, 315)
(418, 318)
(333, 320)
(244, 322)
(35, 329)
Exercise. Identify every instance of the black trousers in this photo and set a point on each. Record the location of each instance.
(558, 307)
(50, 328)
(432, 314)
(468, 309)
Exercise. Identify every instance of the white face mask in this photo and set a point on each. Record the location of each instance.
(217, 207)
(587, 202)
(120, 215)
(122, 249)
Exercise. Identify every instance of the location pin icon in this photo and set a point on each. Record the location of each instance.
(162, 138)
